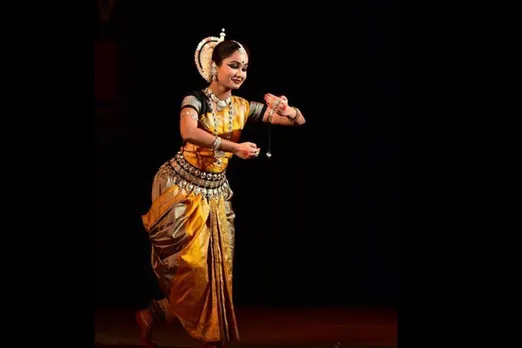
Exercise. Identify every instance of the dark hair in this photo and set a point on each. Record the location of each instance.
(225, 49)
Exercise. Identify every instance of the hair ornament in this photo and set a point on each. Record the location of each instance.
(203, 54)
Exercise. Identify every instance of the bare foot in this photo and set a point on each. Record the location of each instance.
(145, 322)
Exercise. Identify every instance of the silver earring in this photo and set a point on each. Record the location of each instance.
(213, 71)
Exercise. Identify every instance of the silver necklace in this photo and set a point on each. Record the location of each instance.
(221, 104)
(211, 97)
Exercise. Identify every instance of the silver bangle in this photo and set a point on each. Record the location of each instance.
(296, 115)
(217, 143)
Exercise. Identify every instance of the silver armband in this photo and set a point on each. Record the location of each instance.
(190, 112)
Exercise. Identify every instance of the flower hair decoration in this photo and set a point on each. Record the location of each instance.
(203, 54)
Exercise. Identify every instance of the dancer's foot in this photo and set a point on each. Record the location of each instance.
(145, 322)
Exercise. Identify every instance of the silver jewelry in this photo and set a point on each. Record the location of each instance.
(192, 114)
(220, 154)
(241, 49)
(221, 104)
(216, 143)
(213, 71)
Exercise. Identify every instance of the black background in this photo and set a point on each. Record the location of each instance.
(317, 224)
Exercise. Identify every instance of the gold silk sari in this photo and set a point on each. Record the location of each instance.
(191, 227)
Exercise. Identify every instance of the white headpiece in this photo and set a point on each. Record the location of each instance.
(203, 54)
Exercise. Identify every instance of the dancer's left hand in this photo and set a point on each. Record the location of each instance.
(279, 103)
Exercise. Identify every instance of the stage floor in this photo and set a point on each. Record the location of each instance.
(267, 328)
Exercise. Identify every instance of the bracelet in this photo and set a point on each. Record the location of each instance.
(216, 143)
(296, 115)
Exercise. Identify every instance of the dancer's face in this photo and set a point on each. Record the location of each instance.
(233, 70)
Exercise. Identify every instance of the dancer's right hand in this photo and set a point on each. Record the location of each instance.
(247, 150)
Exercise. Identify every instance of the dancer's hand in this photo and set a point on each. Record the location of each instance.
(247, 150)
(279, 103)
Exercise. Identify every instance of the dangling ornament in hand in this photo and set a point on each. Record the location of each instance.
(275, 105)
